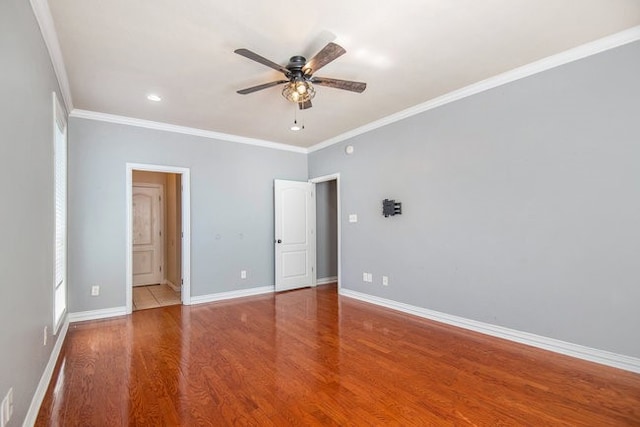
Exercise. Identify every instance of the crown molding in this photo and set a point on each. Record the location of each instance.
(148, 124)
(45, 21)
(47, 28)
(610, 42)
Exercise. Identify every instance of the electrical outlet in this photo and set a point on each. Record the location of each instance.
(243, 274)
(385, 281)
(95, 290)
(353, 217)
(45, 334)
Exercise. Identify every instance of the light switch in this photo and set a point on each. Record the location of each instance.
(353, 217)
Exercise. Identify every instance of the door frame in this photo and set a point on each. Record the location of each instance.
(325, 178)
(185, 181)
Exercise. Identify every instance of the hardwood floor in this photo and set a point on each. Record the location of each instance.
(310, 357)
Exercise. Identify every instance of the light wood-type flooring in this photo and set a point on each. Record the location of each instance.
(153, 296)
(309, 357)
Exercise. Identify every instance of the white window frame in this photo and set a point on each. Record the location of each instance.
(60, 214)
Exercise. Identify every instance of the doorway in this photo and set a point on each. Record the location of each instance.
(328, 240)
(158, 236)
(299, 235)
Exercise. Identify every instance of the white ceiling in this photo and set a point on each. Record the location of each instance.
(408, 52)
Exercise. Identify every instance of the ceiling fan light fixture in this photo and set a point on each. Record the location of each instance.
(298, 91)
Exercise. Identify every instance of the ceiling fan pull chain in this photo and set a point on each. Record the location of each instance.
(295, 127)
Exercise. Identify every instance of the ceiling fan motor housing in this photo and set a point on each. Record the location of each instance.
(296, 63)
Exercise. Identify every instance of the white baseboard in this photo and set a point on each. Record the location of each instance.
(45, 379)
(97, 314)
(231, 294)
(326, 280)
(170, 284)
(603, 357)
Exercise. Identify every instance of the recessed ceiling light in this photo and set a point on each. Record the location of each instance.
(153, 97)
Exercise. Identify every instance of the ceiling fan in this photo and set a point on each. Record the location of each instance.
(298, 86)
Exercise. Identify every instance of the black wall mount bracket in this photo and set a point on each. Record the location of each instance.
(391, 208)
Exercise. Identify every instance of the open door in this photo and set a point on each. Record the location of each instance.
(295, 239)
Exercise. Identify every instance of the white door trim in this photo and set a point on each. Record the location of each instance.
(324, 178)
(186, 227)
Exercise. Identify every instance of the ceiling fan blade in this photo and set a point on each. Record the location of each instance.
(340, 84)
(328, 53)
(264, 61)
(260, 87)
(305, 105)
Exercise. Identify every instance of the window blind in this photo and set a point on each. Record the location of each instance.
(60, 194)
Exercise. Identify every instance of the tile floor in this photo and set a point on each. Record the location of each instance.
(152, 296)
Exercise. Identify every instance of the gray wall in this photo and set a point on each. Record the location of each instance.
(521, 205)
(231, 207)
(26, 190)
(326, 230)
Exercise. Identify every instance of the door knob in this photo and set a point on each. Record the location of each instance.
(279, 241)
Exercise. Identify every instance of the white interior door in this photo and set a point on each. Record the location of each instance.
(147, 235)
(295, 239)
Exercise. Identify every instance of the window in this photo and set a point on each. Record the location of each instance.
(60, 194)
